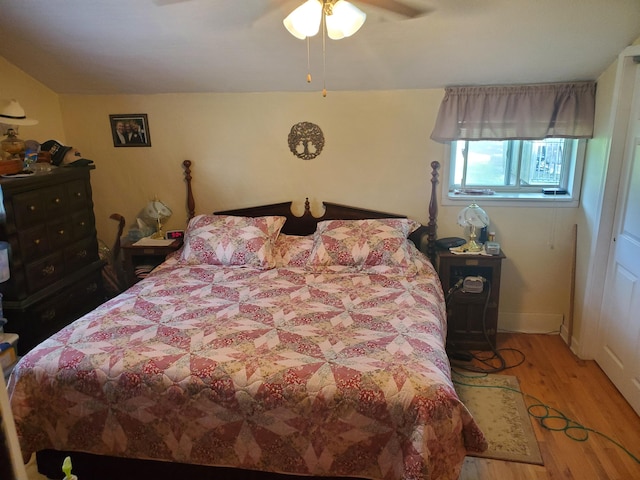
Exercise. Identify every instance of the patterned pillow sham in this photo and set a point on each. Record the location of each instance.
(231, 241)
(362, 244)
(292, 250)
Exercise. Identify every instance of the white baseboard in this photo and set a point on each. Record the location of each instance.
(574, 345)
(530, 322)
(564, 334)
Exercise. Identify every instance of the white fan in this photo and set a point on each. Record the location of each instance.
(394, 6)
(158, 212)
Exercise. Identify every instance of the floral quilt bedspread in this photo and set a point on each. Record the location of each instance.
(278, 370)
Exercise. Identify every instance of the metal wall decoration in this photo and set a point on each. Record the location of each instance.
(306, 140)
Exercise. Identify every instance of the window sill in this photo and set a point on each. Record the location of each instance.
(511, 199)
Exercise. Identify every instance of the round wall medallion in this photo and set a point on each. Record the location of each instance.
(306, 140)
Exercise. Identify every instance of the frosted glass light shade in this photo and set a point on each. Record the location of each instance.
(304, 21)
(345, 20)
(473, 217)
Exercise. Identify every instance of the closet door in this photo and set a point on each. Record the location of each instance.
(618, 353)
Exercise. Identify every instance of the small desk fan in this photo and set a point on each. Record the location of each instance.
(159, 212)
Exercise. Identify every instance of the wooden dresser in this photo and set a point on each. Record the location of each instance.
(56, 277)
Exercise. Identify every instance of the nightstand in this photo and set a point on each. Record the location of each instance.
(139, 260)
(470, 315)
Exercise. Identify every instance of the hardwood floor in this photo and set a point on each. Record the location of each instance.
(581, 391)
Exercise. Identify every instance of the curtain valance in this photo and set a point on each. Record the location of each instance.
(516, 112)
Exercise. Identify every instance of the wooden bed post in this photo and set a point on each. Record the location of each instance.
(191, 203)
(433, 214)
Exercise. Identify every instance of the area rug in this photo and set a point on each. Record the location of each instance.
(499, 409)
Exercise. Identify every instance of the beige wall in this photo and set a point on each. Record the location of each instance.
(39, 103)
(377, 155)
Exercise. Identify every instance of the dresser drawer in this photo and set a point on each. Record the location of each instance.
(29, 209)
(82, 224)
(44, 272)
(41, 205)
(80, 254)
(78, 298)
(60, 233)
(55, 200)
(44, 318)
(34, 243)
(77, 195)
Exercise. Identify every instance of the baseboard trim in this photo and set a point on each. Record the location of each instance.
(531, 322)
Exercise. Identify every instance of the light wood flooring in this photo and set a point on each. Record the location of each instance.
(582, 392)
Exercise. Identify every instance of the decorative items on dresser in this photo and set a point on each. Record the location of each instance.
(55, 271)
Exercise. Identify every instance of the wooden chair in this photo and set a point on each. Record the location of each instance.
(113, 271)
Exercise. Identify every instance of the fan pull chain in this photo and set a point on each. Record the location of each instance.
(324, 57)
(308, 61)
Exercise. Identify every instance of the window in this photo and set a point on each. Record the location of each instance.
(516, 169)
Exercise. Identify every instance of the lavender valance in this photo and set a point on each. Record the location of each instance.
(516, 112)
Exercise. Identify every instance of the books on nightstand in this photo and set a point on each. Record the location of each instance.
(141, 271)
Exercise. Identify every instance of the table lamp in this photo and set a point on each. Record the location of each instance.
(473, 217)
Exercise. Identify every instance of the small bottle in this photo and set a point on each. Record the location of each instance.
(491, 237)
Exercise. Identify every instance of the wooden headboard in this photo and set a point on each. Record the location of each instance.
(306, 223)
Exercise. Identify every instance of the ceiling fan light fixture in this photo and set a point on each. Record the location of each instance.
(345, 20)
(304, 21)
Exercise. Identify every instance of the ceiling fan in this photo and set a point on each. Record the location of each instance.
(394, 6)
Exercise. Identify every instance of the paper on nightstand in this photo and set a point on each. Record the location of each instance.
(153, 242)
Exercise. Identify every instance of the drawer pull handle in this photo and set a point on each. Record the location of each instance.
(82, 224)
(81, 254)
(49, 314)
(61, 232)
(37, 241)
(92, 288)
(78, 194)
(32, 208)
(49, 270)
(56, 200)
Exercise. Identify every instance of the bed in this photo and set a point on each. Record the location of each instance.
(270, 346)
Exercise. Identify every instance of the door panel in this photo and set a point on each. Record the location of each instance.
(619, 350)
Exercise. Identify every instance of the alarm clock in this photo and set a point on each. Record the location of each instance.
(174, 234)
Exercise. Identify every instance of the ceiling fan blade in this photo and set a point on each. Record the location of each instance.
(395, 7)
(163, 3)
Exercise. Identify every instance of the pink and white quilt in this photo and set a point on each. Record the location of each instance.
(285, 369)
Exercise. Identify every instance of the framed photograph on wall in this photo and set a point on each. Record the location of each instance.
(130, 130)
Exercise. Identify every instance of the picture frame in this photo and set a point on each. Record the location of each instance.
(130, 130)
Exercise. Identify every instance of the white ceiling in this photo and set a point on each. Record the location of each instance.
(172, 46)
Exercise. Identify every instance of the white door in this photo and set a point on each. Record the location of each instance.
(618, 353)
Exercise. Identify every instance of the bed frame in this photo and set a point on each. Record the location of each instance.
(94, 467)
(305, 224)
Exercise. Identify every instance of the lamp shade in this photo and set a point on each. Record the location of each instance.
(473, 216)
(345, 20)
(304, 21)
